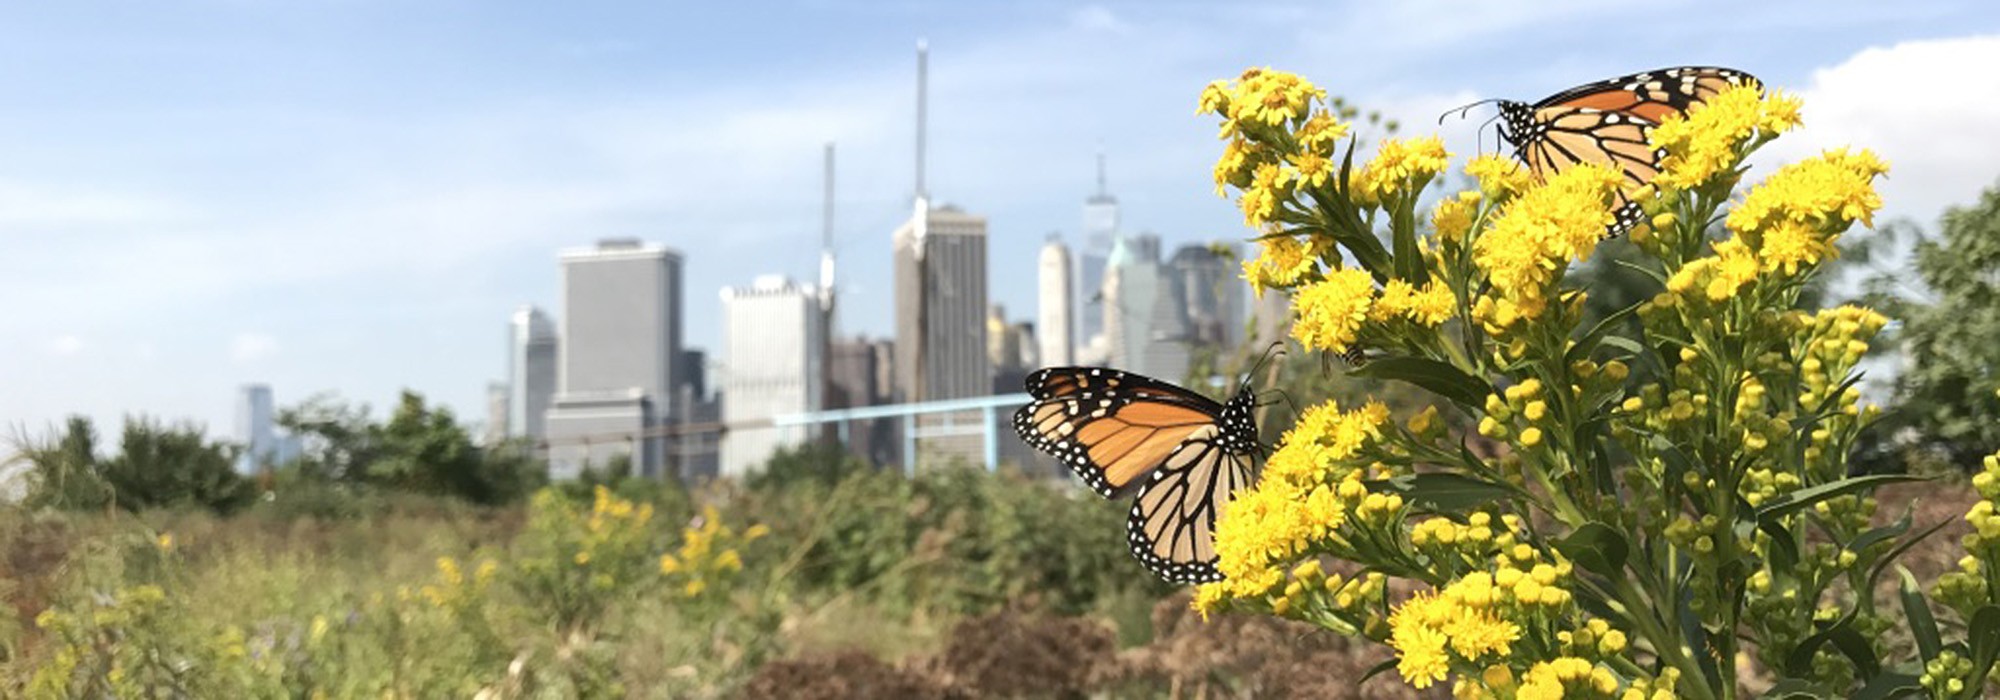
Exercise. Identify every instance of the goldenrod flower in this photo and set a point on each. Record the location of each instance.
(1537, 234)
(1319, 134)
(1797, 213)
(1452, 218)
(1270, 97)
(1707, 139)
(1499, 175)
(1305, 495)
(1281, 262)
(1399, 165)
(1331, 311)
(1270, 186)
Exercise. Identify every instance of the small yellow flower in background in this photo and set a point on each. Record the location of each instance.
(165, 541)
(1331, 311)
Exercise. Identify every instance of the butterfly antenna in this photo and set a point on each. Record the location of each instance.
(1277, 347)
(1466, 108)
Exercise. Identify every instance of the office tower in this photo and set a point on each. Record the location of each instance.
(772, 345)
(1057, 303)
(1100, 234)
(619, 368)
(693, 373)
(1146, 328)
(497, 413)
(256, 428)
(531, 372)
(1213, 293)
(940, 264)
(940, 282)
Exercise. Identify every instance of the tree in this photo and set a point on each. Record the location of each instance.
(339, 438)
(171, 465)
(1947, 408)
(424, 449)
(63, 471)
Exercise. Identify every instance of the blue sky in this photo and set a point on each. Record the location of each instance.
(351, 195)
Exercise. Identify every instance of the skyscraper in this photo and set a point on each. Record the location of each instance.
(497, 413)
(256, 428)
(940, 264)
(773, 342)
(1213, 294)
(1056, 286)
(940, 278)
(619, 368)
(1100, 233)
(1146, 328)
(531, 372)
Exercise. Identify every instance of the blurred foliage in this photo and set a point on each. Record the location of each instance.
(156, 465)
(1945, 411)
(610, 586)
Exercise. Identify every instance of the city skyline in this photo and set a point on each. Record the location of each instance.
(353, 238)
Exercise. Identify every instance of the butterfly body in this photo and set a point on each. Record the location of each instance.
(1609, 123)
(1180, 455)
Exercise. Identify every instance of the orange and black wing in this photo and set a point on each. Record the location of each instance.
(1110, 427)
(1608, 123)
(1172, 525)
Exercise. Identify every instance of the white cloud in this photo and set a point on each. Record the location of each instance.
(65, 345)
(1928, 107)
(251, 347)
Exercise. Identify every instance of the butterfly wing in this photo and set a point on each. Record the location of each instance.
(1110, 427)
(1172, 525)
(1608, 123)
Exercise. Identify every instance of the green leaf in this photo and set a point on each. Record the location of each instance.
(1377, 669)
(1877, 535)
(1792, 689)
(1897, 684)
(1857, 649)
(1438, 377)
(1806, 497)
(1918, 611)
(1403, 234)
(1785, 545)
(1587, 343)
(1597, 548)
(1799, 662)
(1623, 343)
(1984, 634)
(1443, 492)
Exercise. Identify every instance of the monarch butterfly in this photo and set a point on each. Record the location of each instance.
(1607, 123)
(1182, 453)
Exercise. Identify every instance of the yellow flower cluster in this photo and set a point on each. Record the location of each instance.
(1429, 306)
(1549, 680)
(1475, 615)
(1499, 175)
(1453, 217)
(1709, 138)
(1282, 262)
(1717, 277)
(1797, 213)
(1967, 590)
(1463, 619)
(1835, 339)
(1538, 234)
(1401, 166)
(452, 590)
(1309, 487)
(1260, 96)
(708, 553)
(1332, 311)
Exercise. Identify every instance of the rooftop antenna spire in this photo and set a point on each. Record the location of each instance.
(923, 81)
(1102, 189)
(826, 241)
